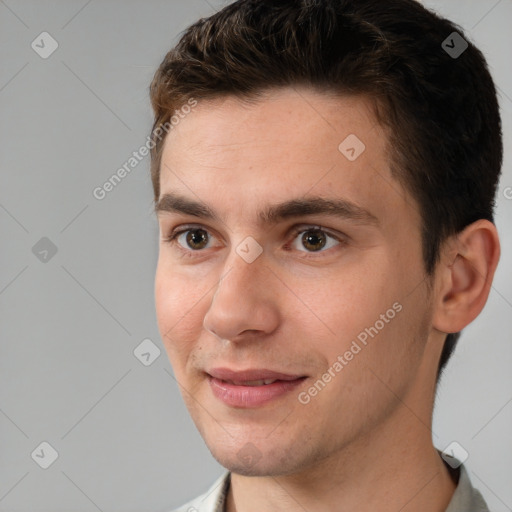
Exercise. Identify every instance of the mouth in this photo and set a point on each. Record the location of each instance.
(251, 388)
(262, 382)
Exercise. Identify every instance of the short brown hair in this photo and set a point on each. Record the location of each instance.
(445, 142)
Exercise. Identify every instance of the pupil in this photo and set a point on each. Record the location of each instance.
(193, 239)
(313, 239)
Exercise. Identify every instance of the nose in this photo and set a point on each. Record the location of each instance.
(245, 300)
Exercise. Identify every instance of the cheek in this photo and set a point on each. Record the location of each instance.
(179, 303)
(347, 301)
(361, 311)
(381, 340)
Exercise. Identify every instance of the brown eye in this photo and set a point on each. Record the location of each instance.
(314, 240)
(196, 238)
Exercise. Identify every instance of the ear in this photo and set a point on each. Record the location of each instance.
(464, 275)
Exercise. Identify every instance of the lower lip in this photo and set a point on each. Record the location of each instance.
(251, 396)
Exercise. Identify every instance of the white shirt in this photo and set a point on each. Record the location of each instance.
(465, 498)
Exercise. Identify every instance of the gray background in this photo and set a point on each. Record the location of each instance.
(70, 324)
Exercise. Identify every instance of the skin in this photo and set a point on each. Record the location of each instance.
(364, 442)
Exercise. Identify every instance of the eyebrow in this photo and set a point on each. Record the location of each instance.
(274, 213)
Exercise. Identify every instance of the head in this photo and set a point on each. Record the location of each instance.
(275, 87)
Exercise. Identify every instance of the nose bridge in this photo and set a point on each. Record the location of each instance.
(244, 266)
(241, 300)
(240, 283)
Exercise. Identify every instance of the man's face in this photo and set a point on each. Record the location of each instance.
(351, 282)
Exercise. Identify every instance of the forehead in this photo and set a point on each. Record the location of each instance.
(301, 118)
(288, 144)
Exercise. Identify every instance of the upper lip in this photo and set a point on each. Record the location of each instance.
(250, 374)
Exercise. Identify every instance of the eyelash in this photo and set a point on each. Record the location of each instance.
(171, 239)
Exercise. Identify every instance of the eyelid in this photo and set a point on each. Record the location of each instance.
(183, 228)
(298, 229)
(293, 232)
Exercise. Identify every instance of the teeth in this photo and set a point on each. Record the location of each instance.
(261, 382)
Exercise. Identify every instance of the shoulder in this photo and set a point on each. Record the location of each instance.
(466, 498)
(210, 501)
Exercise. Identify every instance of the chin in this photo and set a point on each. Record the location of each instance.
(261, 468)
(247, 460)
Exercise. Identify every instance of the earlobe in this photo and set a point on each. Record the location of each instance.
(464, 275)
